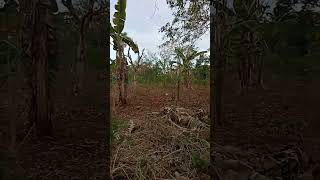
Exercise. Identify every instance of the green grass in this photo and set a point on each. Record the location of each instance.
(117, 126)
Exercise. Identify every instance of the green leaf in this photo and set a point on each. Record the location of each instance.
(119, 16)
(112, 30)
(180, 54)
(130, 43)
(196, 54)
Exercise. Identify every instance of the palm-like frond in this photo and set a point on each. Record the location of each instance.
(180, 53)
(196, 54)
(119, 16)
(116, 33)
(130, 42)
(187, 55)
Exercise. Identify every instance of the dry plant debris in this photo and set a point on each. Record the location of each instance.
(161, 148)
(172, 144)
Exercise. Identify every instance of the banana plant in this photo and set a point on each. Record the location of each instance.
(84, 16)
(120, 40)
(245, 41)
(184, 66)
(185, 57)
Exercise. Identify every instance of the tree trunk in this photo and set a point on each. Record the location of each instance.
(258, 64)
(26, 38)
(178, 87)
(260, 73)
(245, 63)
(12, 111)
(43, 122)
(121, 75)
(250, 64)
(11, 101)
(218, 73)
(178, 93)
(134, 82)
(113, 103)
(134, 79)
(216, 76)
(217, 90)
(188, 79)
(126, 81)
(12, 105)
(11, 90)
(37, 51)
(79, 65)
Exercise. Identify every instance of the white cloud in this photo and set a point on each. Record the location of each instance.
(144, 19)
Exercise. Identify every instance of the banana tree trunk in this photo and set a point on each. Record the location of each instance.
(12, 105)
(113, 103)
(126, 81)
(79, 65)
(134, 81)
(218, 66)
(251, 58)
(11, 92)
(245, 63)
(135, 72)
(43, 121)
(216, 77)
(260, 72)
(121, 75)
(178, 87)
(26, 38)
(257, 63)
(188, 80)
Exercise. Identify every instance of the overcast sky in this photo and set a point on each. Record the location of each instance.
(144, 19)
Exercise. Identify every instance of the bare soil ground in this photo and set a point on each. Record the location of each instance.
(78, 148)
(156, 149)
(264, 121)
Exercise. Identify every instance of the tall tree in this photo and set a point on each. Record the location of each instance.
(12, 53)
(191, 20)
(218, 23)
(35, 44)
(83, 15)
(248, 43)
(120, 40)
